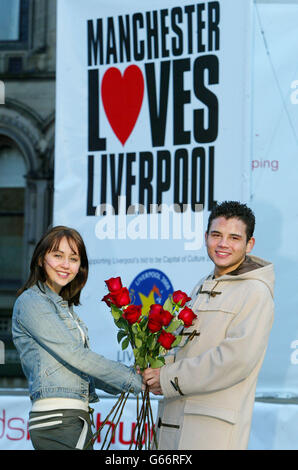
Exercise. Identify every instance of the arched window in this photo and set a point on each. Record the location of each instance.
(12, 194)
(12, 202)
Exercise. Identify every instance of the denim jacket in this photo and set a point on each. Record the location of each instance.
(54, 358)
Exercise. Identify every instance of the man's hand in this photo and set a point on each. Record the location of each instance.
(151, 377)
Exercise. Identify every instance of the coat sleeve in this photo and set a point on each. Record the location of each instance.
(41, 322)
(233, 359)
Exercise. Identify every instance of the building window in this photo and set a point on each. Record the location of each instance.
(14, 16)
(12, 191)
(10, 20)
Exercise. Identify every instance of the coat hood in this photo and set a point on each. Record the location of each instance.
(255, 268)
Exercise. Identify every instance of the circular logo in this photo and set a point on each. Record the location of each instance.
(150, 287)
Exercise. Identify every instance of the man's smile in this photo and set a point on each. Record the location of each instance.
(222, 254)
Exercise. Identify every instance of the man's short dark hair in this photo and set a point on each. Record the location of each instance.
(229, 209)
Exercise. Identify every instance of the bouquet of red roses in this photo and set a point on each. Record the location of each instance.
(151, 334)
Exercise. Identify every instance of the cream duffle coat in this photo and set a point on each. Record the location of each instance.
(209, 384)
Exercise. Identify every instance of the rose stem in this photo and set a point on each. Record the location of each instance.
(94, 437)
(134, 429)
(111, 427)
(120, 414)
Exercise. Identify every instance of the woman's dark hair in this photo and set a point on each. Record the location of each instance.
(50, 242)
(230, 209)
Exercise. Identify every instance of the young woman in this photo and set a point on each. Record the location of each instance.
(52, 341)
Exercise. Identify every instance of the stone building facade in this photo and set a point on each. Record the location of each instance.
(27, 135)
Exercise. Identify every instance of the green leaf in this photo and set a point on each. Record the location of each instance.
(136, 353)
(116, 313)
(141, 362)
(122, 323)
(151, 343)
(168, 305)
(120, 335)
(157, 362)
(135, 328)
(173, 326)
(162, 350)
(177, 341)
(125, 343)
(138, 342)
(143, 323)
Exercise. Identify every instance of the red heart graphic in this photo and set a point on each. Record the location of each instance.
(122, 98)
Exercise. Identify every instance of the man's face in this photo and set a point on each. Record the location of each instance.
(227, 244)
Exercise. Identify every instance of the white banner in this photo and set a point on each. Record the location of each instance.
(274, 426)
(153, 118)
(14, 415)
(274, 190)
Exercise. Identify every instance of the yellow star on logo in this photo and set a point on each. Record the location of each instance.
(149, 300)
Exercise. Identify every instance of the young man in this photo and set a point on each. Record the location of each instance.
(209, 385)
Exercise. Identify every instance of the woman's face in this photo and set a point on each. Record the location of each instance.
(61, 265)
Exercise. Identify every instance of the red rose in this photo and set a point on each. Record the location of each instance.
(114, 284)
(120, 298)
(187, 316)
(132, 313)
(155, 308)
(158, 317)
(107, 300)
(166, 339)
(154, 325)
(154, 318)
(166, 317)
(180, 297)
